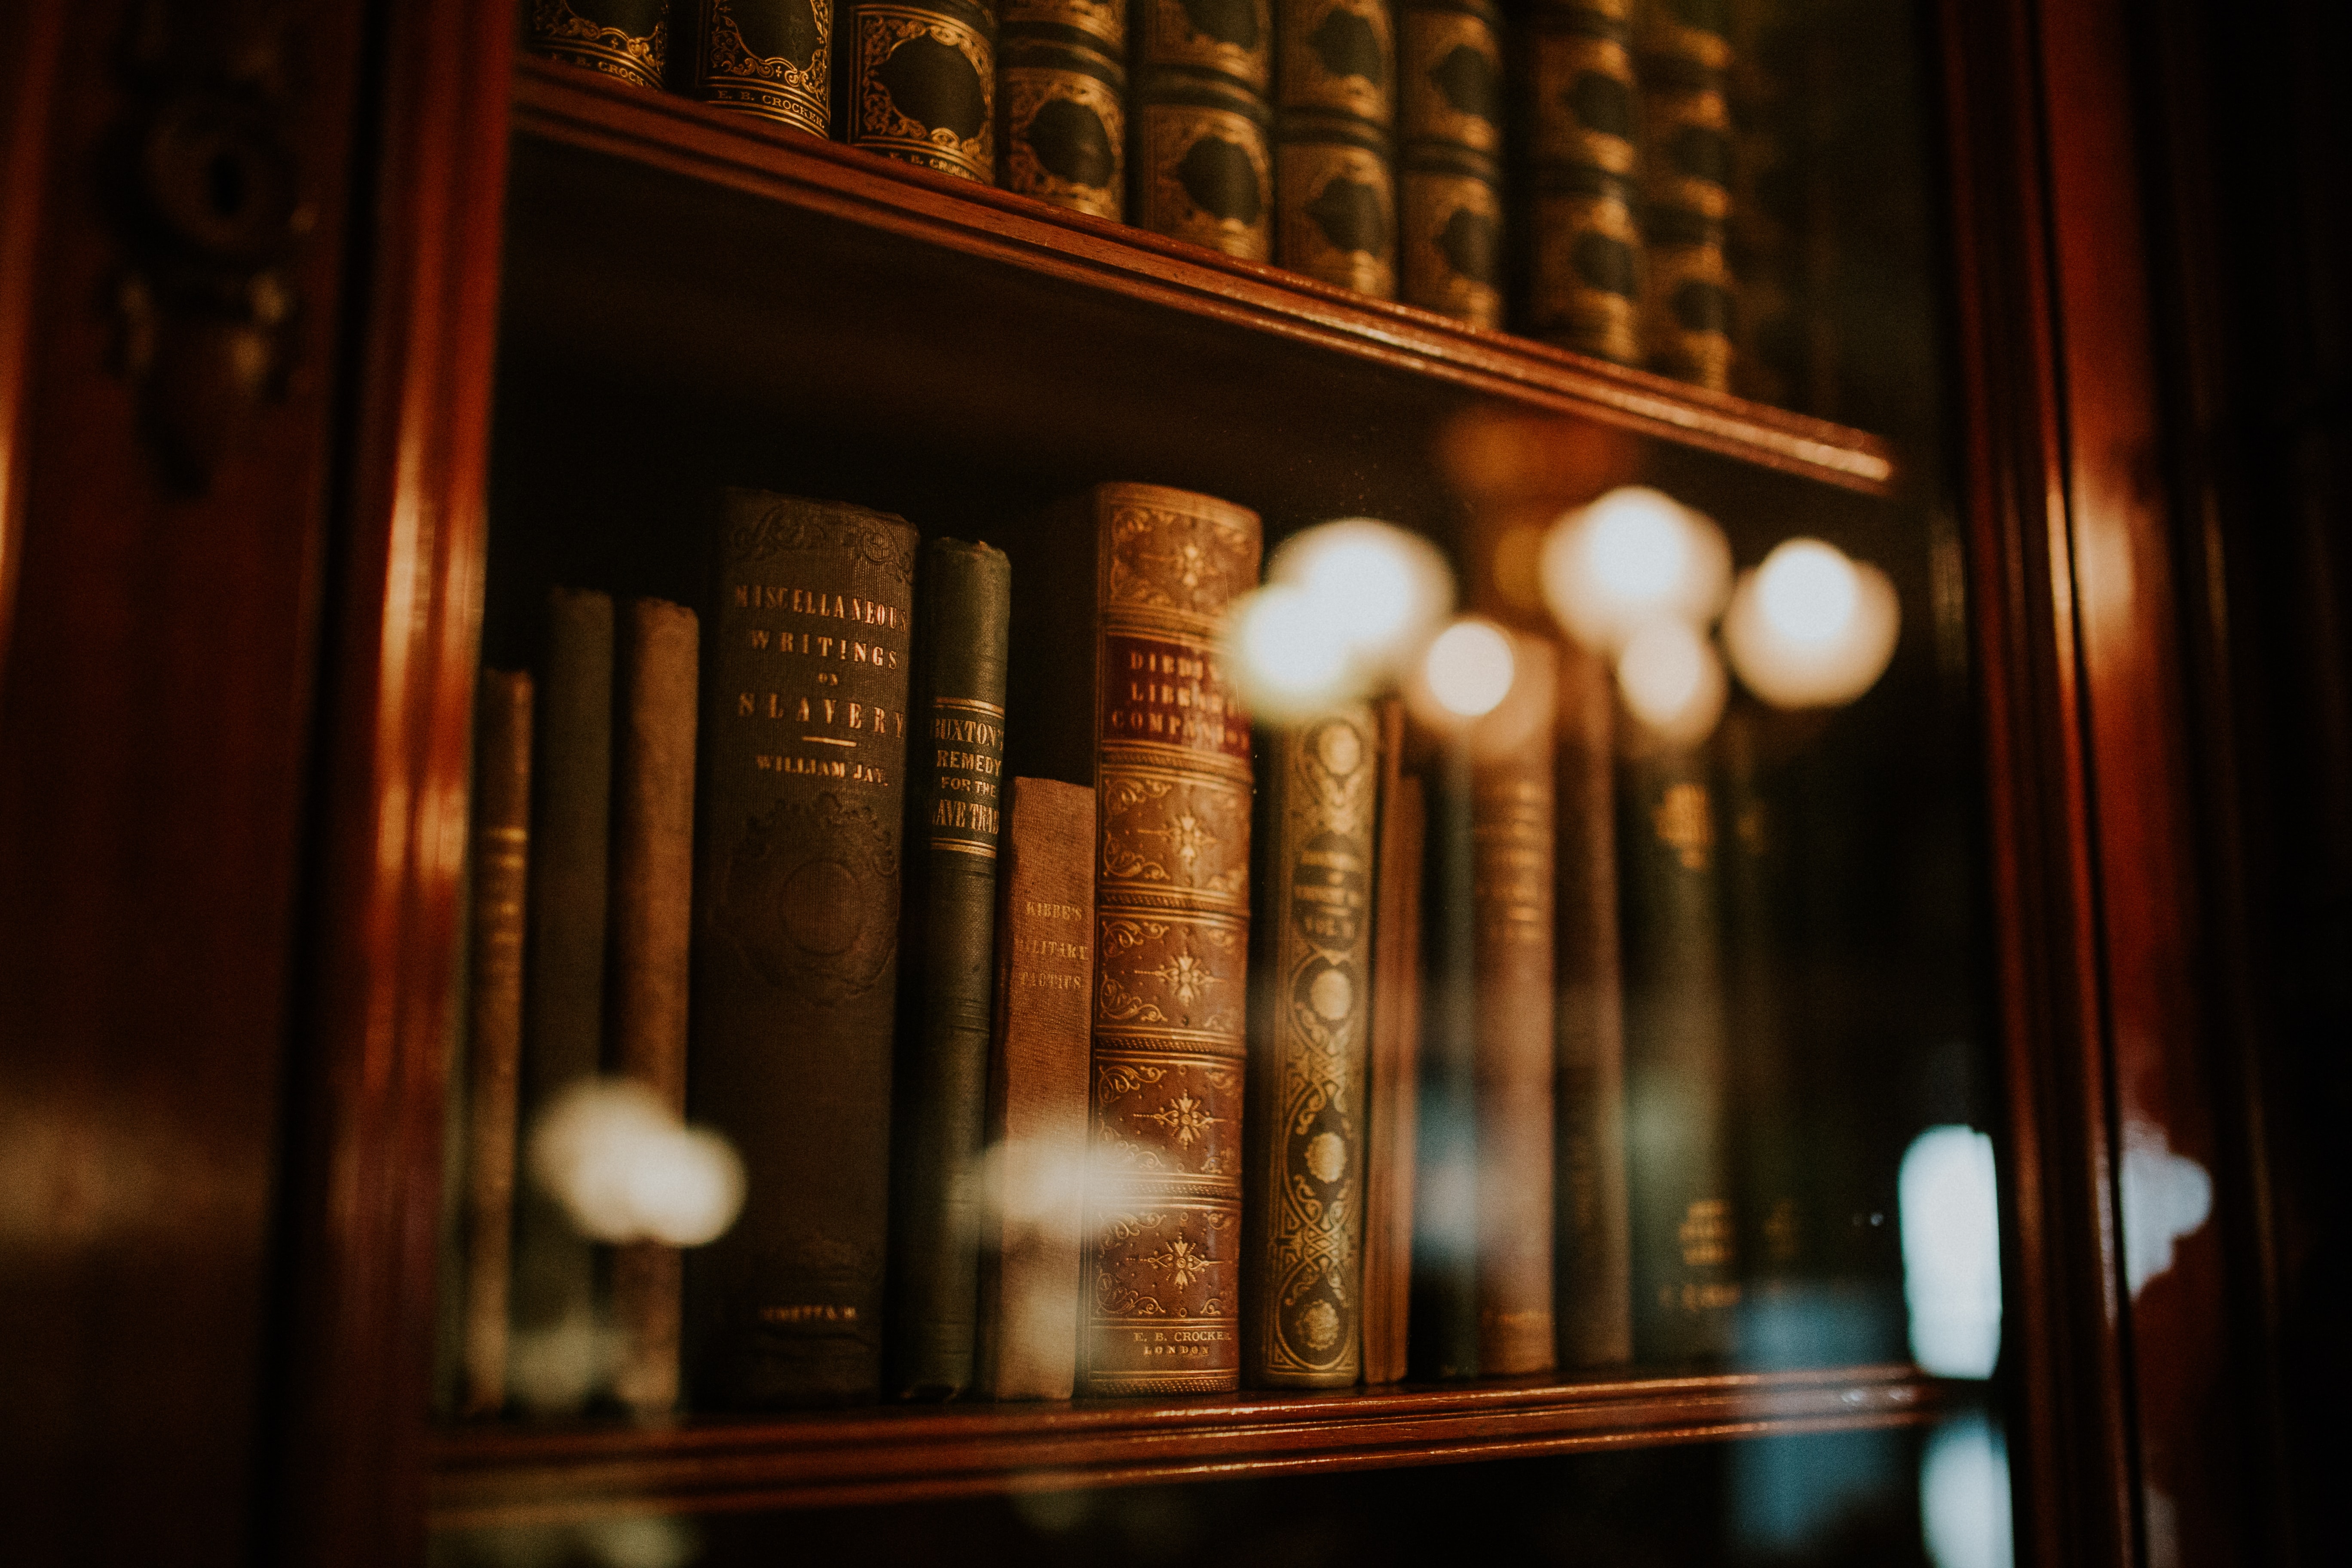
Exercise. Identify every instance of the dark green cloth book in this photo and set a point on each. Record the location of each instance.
(948, 957)
(1442, 1333)
(1686, 1286)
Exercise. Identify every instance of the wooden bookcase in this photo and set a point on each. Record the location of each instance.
(243, 558)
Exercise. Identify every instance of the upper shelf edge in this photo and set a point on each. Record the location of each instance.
(566, 106)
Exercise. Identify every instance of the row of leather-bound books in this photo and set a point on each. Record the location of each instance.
(908, 972)
(1615, 176)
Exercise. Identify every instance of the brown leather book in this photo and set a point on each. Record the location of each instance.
(1593, 1260)
(647, 969)
(494, 1026)
(1061, 91)
(1584, 246)
(803, 752)
(1310, 1061)
(1449, 188)
(624, 39)
(1511, 901)
(1392, 1123)
(1202, 161)
(1037, 1094)
(1118, 683)
(917, 82)
(556, 1267)
(1335, 142)
(769, 58)
(1681, 55)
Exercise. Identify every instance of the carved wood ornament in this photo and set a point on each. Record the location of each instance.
(212, 210)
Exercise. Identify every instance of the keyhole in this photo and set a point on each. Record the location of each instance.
(225, 184)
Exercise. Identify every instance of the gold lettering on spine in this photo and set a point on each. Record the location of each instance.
(1162, 1295)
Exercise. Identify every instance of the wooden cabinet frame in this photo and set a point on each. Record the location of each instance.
(246, 976)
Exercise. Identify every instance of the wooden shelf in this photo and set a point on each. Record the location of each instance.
(508, 1475)
(658, 227)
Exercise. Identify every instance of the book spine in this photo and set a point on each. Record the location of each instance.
(651, 923)
(1684, 1254)
(957, 766)
(1594, 1285)
(1511, 901)
(1390, 1144)
(1443, 1326)
(1686, 170)
(1335, 155)
(1201, 161)
(563, 973)
(1060, 91)
(919, 83)
(1163, 1284)
(803, 749)
(1037, 1094)
(1450, 131)
(1585, 258)
(1309, 1065)
(1772, 1155)
(501, 852)
(624, 39)
(769, 58)
(1766, 333)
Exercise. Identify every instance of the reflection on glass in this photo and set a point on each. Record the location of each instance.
(2164, 1196)
(627, 1169)
(1811, 627)
(1671, 680)
(1632, 557)
(1951, 1251)
(1964, 1496)
(1469, 668)
(1345, 606)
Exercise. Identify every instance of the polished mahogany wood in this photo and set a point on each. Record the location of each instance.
(155, 721)
(954, 224)
(515, 1475)
(364, 1177)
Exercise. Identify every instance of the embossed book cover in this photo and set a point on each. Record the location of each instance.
(1118, 683)
(804, 750)
(1303, 1284)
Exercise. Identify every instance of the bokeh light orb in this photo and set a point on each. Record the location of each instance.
(1469, 668)
(1671, 680)
(1811, 627)
(1288, 652)
(1630, 558)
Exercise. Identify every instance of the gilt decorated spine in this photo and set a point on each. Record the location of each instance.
(1450, 128)
(502, 856)
(1685, 1252)
(1334, 131)
(1061, 94)
(919, 83)
(1309, 1065)
(653, 872)
(1201, 158)
(769, 58)
(803, 749)
(563, 973)
(957, 762)
(1391, 1142)
(1511, 902)
(1118, 683)
(1037, 1094)
(624, 39)
(1595, 1300)
(1681, 56)
(1585, 284)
